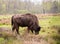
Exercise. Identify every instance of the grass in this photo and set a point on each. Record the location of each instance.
(47, 29)
(10, 41)
(46, 22)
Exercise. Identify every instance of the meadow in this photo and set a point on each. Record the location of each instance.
(49, 34)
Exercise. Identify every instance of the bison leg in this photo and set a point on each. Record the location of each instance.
(13, 28)
(17, 29)
(31, 30)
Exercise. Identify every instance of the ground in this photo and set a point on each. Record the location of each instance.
(25, 38)
(49, 34)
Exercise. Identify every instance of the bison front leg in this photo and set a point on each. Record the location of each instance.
(30, 30)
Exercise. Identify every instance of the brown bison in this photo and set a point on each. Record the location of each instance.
(26, 20)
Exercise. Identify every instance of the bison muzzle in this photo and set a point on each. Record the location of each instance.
(25, 20)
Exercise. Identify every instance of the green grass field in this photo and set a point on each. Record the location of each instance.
(50, 30)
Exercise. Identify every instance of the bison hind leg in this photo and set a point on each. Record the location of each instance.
(13, 28)
(31, 30)
(17, 30)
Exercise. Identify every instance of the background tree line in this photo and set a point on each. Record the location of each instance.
(19, 6)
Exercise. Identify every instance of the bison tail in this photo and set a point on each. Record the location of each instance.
(12, 20)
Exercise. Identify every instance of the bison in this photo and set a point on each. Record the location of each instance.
(25, 20)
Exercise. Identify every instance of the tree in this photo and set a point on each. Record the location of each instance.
(54, 7)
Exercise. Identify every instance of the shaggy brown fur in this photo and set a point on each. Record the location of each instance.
(26, 20)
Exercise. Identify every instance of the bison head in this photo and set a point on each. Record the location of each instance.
(37, 30)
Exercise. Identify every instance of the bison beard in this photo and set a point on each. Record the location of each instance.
(26, 20)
